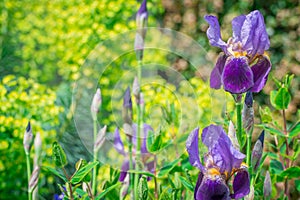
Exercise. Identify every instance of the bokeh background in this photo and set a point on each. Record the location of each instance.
(43, 45)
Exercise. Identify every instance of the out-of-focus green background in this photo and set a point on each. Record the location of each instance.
(43, 44)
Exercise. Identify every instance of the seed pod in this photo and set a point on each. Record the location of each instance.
(267, 185)
(143, 188)
(28, 138)
(257, 151)
(97, 100)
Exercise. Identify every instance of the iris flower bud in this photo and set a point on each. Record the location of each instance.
(267, 185)
(248, 113)
(28, 138)
(232, 135)
(257, 151)
(34, 178)
(100, 138)
(136, 89)
(141, 22)
(37, 148)
(127, 107)
(97, 100)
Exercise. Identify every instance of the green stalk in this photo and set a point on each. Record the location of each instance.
(139, 130)
(131, 164)
(28, 175)
(248, 153)
(239, 123)
(94, 160)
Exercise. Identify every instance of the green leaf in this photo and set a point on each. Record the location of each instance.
(288, 80)
(141, 172)
(80, 164)
(167, 168)
(297, 183)
(82, 172)
(265, 114)
(292, 172)
(107, 190)
(186, 183)
(280, 99)
(295, 131)
(55, 172)
(82, 193)
(275, 167)
(272, 130)
(154, 143)
(58, 155)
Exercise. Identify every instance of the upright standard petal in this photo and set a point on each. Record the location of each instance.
(241, 184)
(212, 188)
(118, 144)
(213, 33)
(260, 73)
(216, 74)
(237, 24)
(225, 156)
(255, 39)
(192, 148)
(237, 75)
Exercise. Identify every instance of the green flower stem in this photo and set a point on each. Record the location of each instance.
(139, 130)
(239, 122)
(131, 164)
(94, 160)
(28, 175)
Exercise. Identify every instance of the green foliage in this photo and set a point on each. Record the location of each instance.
(58, 155)
(22, 100)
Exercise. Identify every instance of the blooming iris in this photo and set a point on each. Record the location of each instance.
(222, 162)
(119, 146)
(243, 66)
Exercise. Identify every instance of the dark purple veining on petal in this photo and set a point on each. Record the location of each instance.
(260, 73)
(237, 75)
(241, 184)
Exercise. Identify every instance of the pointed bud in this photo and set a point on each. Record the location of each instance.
(257, 151)
(28, 138)
(127, 107)
(267, 185)
(100, 138)
(142, 103)
(232, 135)
(37, 149)
(97, 100)
(143, 188)
(248, 113)
(141, 22)
(136, 89)
(34, 178)
(250, 196)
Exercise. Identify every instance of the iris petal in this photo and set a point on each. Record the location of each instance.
(225, 156)
(254, 36)
(192, 148)
(118, 144)
(241, 184)
(199, 181)
(124, 169)
(215, 76)
(237, 75)
(237, 24)
(213, 33)
(260, 73)
(212, 189)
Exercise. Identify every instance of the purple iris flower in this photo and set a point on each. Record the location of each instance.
(119, 146)
(243, 66)
(222, 162)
